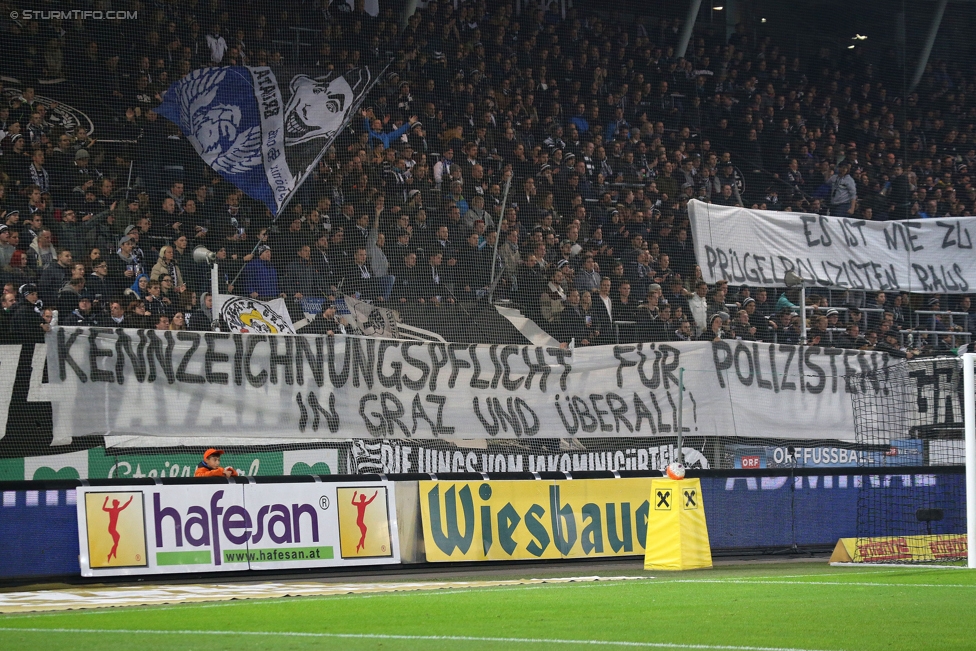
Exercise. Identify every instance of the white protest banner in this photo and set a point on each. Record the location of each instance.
(210, 527)
(759, 247)
(201, 385)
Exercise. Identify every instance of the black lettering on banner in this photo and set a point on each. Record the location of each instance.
(668, 369)
(393, 411)
(476, 381)
(94, 352)
(123, 349)
(772, 367)
(618, 352)
(508, 382)
(524, 410)
(785, 384)
(604, 427)
(331, 416)
(655, 380)
(739, 349)
(618, 407)
(807, 220)
(506, 416)
(643, 413)
(561, 355)
(362, 363)
(416, 385)
(316, 360)
(832, 353)
(238, 359)
(302, 412)
(911, 236)
(963, 283)
(256, 381)
(374, 428)
(395, 379)
(338, 379)
(816, 368)
(441, 429)
(163, 357)
(493, 427)
(662, 427)
(438, 360)
(849, 371)
(723, 362)
(570, 429)
(723, 264)
(760, 382)
(181, 374)
(787, 265)
(539, 367)
(736, 264)
(711, 258)
(456, 364)
(417, 414)
(587, 421)
(211, 357)
(837, 270)
(493, 354)
(64, 355)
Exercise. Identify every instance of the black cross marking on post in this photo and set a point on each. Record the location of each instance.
(690, 496)
(662, 499)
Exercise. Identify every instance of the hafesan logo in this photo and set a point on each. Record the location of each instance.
(116, 529)
(364, 524)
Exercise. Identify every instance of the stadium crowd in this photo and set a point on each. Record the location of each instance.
(600, 132)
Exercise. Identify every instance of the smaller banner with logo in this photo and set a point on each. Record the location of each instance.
(901, 549)
(245, 315)
(371, 320)
(211, 528)
(676, 524)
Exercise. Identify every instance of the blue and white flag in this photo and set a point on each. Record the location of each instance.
(263, 137)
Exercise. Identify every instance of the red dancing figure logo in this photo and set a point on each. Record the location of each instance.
(361, 514)
(113, 523)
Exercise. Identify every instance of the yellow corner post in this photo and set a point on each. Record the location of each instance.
(677, 536)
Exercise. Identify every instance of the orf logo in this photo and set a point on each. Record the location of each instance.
(116, 530)
(364, 522)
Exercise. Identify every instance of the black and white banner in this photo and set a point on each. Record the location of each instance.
(758, 247)
(191, 384)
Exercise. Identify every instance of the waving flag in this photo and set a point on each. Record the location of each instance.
(260, 136)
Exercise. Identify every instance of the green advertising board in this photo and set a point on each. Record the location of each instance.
(98, 463)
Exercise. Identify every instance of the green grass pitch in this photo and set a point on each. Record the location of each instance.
(794, 606)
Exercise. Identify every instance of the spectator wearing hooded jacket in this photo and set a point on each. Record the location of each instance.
(260, 276)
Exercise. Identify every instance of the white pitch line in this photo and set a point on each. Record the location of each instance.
(863, 584)
(415, 638)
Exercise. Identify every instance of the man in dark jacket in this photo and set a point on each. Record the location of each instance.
(26, 324)
(54, 277)
(260, 277)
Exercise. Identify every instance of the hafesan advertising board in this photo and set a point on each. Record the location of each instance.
(232, 527)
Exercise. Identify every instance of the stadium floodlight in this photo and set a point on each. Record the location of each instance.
(793, 280)
(203, 255)
(969, 423)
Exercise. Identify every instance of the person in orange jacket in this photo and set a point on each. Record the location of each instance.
(210, 466)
